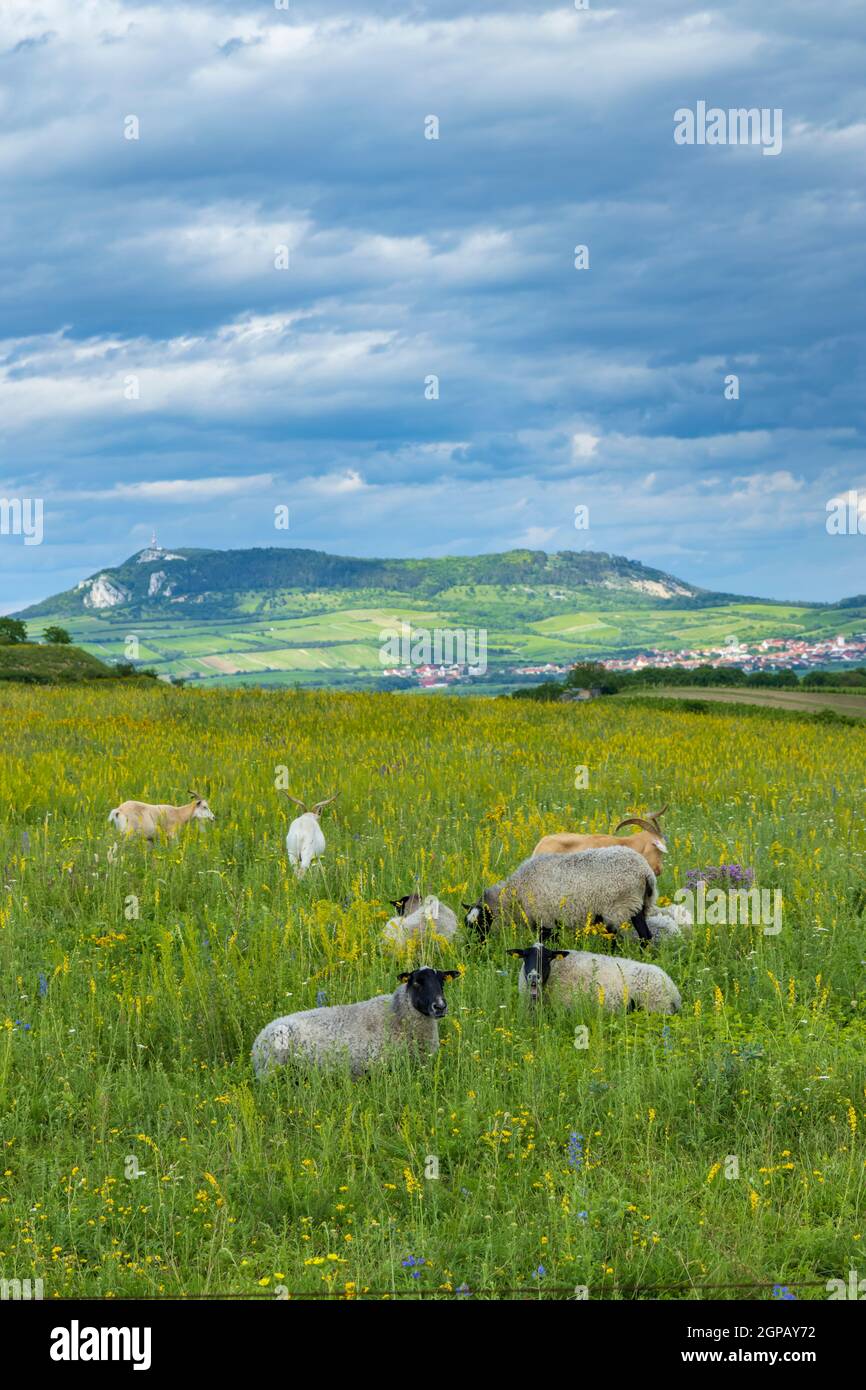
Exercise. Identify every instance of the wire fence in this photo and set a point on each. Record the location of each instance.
(538, 1291)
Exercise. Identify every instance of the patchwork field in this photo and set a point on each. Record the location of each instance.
(337, 636)
(140, 1156)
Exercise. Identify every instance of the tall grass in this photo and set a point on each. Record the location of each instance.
(124, 1038)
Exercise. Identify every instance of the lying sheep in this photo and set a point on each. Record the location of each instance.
(617, 984)
(666, 923)
(671, 921)
(362, 1033)
(407, 903)
(610, 886)
(417, 919)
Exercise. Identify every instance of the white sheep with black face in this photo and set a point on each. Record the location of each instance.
(613, 886)
(359, 1035)
(419, 919)
(616, 983)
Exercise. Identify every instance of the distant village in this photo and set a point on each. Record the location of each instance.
(770, 654)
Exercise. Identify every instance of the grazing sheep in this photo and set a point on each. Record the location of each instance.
(617, 984)
(141, 818)
(359, 1034)
(649, 840)
(418, 918)
(305, 841)
(611, 886)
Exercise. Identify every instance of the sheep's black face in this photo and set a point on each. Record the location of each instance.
(479, 917)
(424, 988)
(536, 966)
(408, 903)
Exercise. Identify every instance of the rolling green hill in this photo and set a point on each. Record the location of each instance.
(284, 616)
(223, 583)
(45, 664)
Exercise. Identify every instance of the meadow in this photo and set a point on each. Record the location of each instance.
(140, 1157)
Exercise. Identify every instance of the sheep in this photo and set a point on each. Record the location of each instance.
(649, 840)
(671, 921)
(407, 903)
(305, 841)
(616, 984)
(362, 1033)
(612, 885)
(663, 925)
(416, 918)
(140, 818)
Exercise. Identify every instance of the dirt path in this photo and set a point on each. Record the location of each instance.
(806, 700)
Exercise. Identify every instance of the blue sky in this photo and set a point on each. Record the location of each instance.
(259, 128)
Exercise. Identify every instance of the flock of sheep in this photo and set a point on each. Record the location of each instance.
(568, 881)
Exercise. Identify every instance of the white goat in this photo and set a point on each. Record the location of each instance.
(305, 841)
(140, 818)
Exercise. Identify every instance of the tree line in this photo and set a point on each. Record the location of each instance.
(591, 675)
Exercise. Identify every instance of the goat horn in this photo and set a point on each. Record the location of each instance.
(319, 804)
(638, 820)
(654, 815)
(302, 804)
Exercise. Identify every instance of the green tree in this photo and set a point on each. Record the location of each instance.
(592, 675)
(12, 630)
(58, 635)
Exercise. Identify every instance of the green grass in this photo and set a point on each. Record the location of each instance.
(160, 968)
(48, 664)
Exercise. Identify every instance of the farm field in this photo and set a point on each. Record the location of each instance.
(807, 701)
(339, 632)
(131, 992)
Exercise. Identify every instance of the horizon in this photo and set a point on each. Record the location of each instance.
(435, 304)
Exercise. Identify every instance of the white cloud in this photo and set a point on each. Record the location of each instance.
(583, 446)
(335, 484)
(178, 489)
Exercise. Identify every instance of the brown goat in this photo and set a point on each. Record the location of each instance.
(148, 821)
(649, 841)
